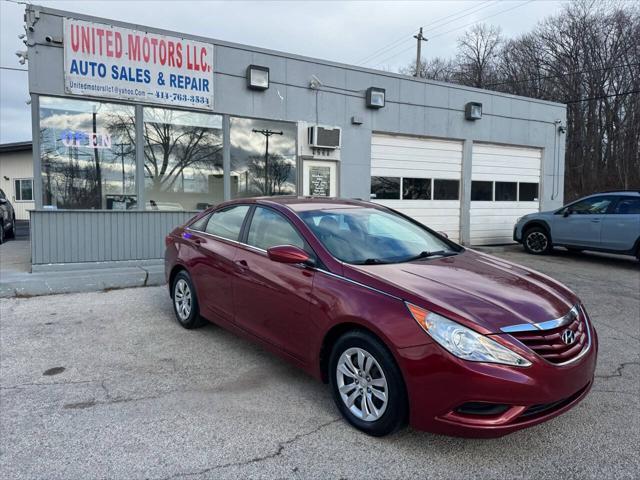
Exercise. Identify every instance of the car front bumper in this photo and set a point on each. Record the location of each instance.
(439, 384)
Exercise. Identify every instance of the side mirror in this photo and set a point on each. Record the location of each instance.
(443, 234)
(567, 212)
(3, 201)
(288, 254)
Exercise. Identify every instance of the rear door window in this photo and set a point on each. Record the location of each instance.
(227, 223)
(627, 206)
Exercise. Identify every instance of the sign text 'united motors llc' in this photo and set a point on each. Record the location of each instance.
(108, 61)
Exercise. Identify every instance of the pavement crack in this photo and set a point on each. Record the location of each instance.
(279, 450)
(45, 384)
(618, 371)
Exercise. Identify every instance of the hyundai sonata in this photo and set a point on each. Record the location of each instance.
(405, 325)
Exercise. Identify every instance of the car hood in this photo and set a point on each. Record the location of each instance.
(481, 291)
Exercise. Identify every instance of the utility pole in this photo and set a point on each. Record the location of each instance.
(419, 38)
(267, 133)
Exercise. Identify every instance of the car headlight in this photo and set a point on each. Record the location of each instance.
(462, 341)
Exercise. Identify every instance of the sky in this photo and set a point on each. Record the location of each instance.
(374, 34)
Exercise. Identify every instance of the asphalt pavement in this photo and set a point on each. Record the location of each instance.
(108, 385)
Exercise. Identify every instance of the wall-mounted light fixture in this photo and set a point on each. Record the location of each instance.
(473, 111)
(257, 77)
(375, 97)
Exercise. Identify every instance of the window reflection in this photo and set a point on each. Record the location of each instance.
(88, 154)
(182, 159)
(263, 158)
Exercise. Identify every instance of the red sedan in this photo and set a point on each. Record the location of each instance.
(405, 325)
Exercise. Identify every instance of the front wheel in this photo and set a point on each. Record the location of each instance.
(537, 241)
(367, 384)
(185, 302)
(12, 232)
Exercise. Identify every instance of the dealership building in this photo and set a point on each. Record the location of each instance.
(135, 129)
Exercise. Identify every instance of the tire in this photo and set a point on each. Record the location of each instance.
(185, 302)
(1, 233)
(373, 369)
(12, 232)
(536, 241)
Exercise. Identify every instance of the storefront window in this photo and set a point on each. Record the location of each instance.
(263, 158)
(182, 160)
(88, 154)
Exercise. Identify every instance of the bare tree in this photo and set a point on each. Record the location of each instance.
(478, 51)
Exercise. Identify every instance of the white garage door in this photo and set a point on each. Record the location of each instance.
(419, 177)
(505, 185)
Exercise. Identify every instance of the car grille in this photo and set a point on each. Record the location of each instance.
(549, 344)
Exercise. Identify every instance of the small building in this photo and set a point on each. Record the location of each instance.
(16, 176)
(136, 128)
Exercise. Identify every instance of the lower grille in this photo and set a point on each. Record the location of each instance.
(552, 344)
(543, 408)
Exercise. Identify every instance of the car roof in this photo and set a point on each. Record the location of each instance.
(304, 204)
(630, 193)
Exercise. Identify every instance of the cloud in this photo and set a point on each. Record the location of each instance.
(339, 31)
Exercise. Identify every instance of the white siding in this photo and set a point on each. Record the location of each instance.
(14, 165)
(398, 156)
(492, 222)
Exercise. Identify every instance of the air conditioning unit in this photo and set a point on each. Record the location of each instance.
(324, 137)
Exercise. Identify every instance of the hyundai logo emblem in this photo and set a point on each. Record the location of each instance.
(568, 337)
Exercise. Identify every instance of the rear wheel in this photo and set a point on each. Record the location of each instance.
(185, 302)
(12, 233)
(367, 385)
(536, 241)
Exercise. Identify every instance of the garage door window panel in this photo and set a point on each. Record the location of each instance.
(506, 191)
(385, 188)
(481, 191)
(446, 189)
(528, 192)
(416, 189)
(227, 223)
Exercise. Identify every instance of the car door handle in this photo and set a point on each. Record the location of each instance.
(595, 220)
(242, 263)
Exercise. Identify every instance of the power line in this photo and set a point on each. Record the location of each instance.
(482, 7)
(396, 43)
(458, 28)
(630, 92)
(483, 18)
(546, 77)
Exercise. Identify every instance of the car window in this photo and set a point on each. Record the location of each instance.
(591, 206)
(201, 224)
(627, 206)
(227, 223)
(269, 229)
(368, 235)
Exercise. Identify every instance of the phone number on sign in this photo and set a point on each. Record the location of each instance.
(183, 97)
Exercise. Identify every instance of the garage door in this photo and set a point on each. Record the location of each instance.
(504, 186)
(419, 177)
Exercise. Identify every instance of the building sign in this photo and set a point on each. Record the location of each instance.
(320, 181)
(107, 61)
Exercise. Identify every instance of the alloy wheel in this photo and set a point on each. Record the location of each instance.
(537, 242)
(362, 384)
(182, 299)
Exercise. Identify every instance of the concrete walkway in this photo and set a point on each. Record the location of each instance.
(17, 280)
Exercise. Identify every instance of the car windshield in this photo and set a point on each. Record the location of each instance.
(368, 236)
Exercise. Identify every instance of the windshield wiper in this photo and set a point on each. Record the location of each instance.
(425, 254)
(372, 261)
